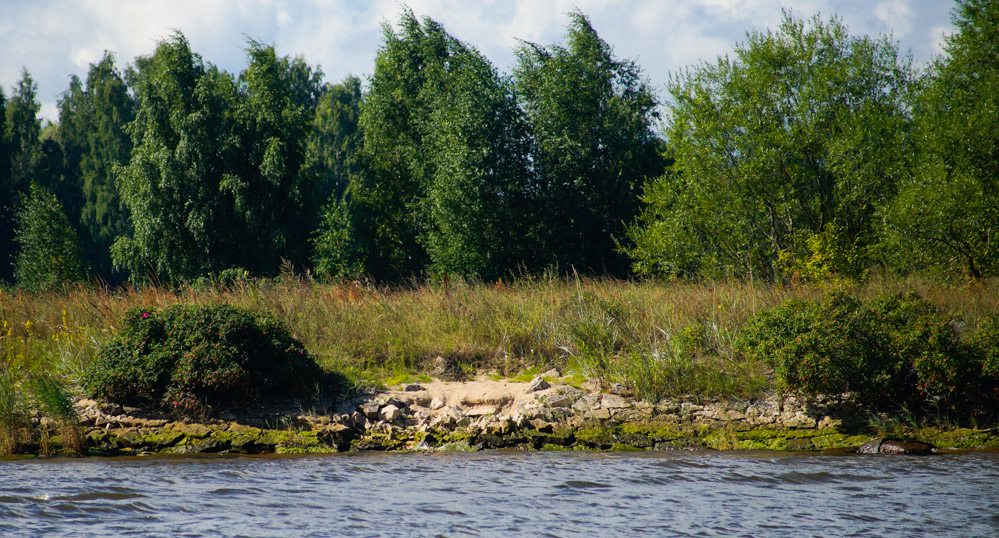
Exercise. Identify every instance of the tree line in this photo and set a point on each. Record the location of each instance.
(807, 152)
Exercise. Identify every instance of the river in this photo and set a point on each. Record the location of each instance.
(504, 494)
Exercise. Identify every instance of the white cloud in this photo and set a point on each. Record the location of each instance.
(897, 15)
(56, 38)
(937, 36)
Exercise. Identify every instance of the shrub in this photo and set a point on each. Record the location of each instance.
(192, 358)
(891, 351)
(985, 344)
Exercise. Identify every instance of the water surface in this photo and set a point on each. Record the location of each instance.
(504, 494)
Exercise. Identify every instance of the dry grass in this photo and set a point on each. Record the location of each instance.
(660, 338)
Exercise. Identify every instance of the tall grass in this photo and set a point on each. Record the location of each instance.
(657, 338)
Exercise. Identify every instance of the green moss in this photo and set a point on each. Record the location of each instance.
(958, 438)
(160, 439)
(595, 435)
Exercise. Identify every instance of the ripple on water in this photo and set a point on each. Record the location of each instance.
(504, 494)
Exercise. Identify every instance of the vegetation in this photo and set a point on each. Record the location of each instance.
(654, 339)
(193, 358)
(49, 256)
(803, 133)
(446, 209)
(890, 352)
(807, 154)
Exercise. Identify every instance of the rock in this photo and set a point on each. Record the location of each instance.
(542, 426)
(798, 420)
(110, 408)
(436, 404)
(85, 404)
(382, 427)
(561, 400)
(602, 414)
(500, 426)
(538, 383)
(370, 410)
(390, 413)
(358, 419)
(553, 373)
(829, 422)
(895, 447)
(412, 387)
(613, 401)
(481, 411)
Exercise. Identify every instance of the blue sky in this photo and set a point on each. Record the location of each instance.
(54, 39)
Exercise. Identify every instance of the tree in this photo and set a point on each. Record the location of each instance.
(92, 130)
(444, 160)
(21, 149)
(49, 254)
(273, 189)
(217, 177)
(947, 216)
(185, 145)
(804, 132)
(592, 117)
(335, 139)
(334, 150)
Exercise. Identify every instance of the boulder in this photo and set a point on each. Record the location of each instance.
(614, 401)
(895, 447)
(538, 383)
(370, 410)
(390, 413)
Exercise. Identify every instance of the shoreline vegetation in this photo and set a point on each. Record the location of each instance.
(743, 242)
(627, 364)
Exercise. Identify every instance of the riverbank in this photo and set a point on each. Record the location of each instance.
(544, 414)
(641, 365)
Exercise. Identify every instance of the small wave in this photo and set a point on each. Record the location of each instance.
(430, 510)
(582, 484)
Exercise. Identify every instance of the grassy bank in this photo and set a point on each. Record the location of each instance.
(658, 338)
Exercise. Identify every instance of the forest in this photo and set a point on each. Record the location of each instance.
(807, 153)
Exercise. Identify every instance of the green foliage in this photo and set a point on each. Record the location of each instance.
(805, 127)
(592, 119)
(92, 120)
(218, 176)
(947, 216)
(19, 158)
(49, 254)
(13, 413)
(335, 138)
(824, 258)
(985, 343)
(445, 158)
(891, 351)
(336, 253)
(334, 145)
(193, 358)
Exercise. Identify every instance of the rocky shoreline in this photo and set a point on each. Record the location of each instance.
(546, 414)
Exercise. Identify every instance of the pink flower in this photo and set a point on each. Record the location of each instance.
(145, 315)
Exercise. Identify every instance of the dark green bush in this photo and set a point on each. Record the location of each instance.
(891, 351)
(193, 358)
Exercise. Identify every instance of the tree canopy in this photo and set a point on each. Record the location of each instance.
(804, 131)
(808, 152)
(592, 117)
(947, 215)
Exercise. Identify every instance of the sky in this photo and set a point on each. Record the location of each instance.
(54, 39)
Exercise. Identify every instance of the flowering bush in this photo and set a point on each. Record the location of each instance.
(192, 358)
(890, 351)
